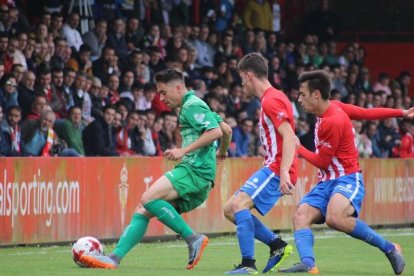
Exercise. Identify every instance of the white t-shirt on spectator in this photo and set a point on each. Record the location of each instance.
(72, 36)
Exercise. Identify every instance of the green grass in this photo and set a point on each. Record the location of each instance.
(336, 254)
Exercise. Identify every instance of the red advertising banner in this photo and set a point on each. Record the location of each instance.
(45, 200)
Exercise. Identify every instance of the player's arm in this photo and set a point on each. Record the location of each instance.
(208, 137)
(224, 141)
(329, 138)
(289, 151)
(359, 113)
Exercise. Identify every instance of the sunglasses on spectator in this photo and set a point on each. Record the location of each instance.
(11, 84)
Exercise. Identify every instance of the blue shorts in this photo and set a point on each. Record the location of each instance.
(263, 189)
(351, 186)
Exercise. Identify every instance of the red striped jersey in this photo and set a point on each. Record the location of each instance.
(276, 109)
(336, 154)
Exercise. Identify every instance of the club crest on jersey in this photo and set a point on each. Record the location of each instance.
(281, 115)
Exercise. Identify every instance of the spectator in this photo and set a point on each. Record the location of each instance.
(11, 132)
(70, 32)
(405, 148)
(204, 49)
(26, 93)
(70, 130)
(148, 145)
(81, 61)
(116, 38)
(106, 65)
(134, 33)
(98, 137)
(38, 106)
(128, 140)
(39, 139)
(60, 102)
(8, 91)
(241, 139)
(382, 84)
(389, 137)
(96, 39)
(145, 101)
(166, 135)
(56, 24)
(362, 142)
(258, 15)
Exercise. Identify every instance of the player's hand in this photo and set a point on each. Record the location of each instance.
(285, 186)
(221, 157)
(174, 154)
(409, 114)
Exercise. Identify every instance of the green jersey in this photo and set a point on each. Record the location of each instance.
(195, 118)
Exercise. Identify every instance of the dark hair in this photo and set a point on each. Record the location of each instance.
(74, 107)
(167, 75)
(13, 107)
(255, 63)
(84, 48)
(150, 87)
(109, 106)
(317, 80)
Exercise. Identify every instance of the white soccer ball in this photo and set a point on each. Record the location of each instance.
(88, 246)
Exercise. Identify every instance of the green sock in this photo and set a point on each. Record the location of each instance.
(132, 235)
(167, 214)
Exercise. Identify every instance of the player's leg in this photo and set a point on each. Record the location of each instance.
(311, 210)
(261, 232)
(260, 191)
(304, 217)
(131, 236)
(239, 206)
(342, 213)
(187, 191)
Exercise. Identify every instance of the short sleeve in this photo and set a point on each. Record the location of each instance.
(218, 118)
(276, 111)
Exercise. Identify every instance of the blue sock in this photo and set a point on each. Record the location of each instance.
(364, 233)
(262, 233)
(304, 244)
(245, 233)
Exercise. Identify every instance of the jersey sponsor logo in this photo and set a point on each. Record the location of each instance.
(199, 117)
(324, 144)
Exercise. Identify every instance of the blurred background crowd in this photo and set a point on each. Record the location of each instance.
(76, 77)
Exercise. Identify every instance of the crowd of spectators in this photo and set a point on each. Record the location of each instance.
(69, 93)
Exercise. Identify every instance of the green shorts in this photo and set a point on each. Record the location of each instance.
(192, 189)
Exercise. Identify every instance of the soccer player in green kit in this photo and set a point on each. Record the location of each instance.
(186, 186)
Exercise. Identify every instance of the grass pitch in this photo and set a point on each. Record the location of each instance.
(336, 254)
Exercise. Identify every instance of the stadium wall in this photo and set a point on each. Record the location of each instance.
(48, 200)
(391, 58)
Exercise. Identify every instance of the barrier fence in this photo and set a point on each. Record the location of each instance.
(44, 200)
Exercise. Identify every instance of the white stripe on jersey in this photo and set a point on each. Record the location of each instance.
(339, 166)
(261, 187)
(272, 148)
(356, 189)
(331, 172)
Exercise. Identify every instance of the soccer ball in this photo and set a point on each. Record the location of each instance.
(88, 246)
